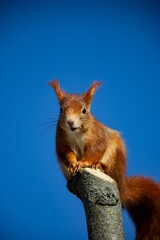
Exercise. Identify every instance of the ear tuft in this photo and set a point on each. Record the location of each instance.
(91, 91)
(55, 85)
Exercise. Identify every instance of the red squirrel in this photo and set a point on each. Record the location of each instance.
(82, 141)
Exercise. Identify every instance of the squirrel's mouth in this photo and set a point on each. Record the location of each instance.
(73, 129)
(72, 126)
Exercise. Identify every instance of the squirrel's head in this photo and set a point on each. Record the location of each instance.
(74, 108)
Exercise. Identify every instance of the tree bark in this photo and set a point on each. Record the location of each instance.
(101, 201)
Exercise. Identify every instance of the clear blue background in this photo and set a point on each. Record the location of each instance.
(117, 42)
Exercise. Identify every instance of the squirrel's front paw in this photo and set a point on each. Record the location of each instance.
(75, 167)
(72, 168)
(98, 165)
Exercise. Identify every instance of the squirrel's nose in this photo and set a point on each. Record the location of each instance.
(70, 123)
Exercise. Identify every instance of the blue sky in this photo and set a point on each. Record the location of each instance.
(77, 42)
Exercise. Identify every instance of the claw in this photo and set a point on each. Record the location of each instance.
(97, 166)
(72, 168)
(75, 167)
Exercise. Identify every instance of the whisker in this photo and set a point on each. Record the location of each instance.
(45, 129)
(47, 122)
(44, 125)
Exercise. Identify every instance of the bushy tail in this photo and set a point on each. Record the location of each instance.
(142, 200)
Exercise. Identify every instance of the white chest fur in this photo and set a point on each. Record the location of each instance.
(76, 142)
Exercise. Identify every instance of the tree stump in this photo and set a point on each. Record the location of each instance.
(100, 196)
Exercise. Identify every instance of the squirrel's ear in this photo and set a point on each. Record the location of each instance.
(89, 94)
(55, 85)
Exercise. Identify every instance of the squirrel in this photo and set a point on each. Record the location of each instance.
(82, 141)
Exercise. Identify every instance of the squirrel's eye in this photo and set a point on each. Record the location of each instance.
(84, 111)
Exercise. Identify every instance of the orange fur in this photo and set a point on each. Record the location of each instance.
(82, 141)
(56, 87)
